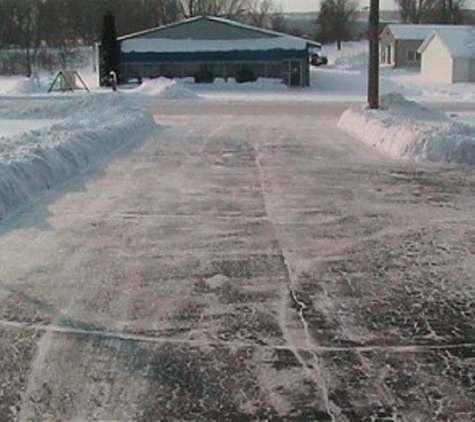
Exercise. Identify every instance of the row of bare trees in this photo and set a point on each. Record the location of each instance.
(432, 11)
(337, 18)
(52, 20)
(27, 25)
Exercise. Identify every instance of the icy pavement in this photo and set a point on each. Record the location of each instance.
(252, 262)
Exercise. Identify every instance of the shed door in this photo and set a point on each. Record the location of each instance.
(388, 55)
(295, 73)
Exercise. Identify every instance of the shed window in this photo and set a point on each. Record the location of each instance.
(413, 56)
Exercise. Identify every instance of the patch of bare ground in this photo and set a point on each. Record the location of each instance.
(17, 349)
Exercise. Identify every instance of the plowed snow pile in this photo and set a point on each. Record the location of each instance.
(83, 129)
(403, 128)
(166, 89)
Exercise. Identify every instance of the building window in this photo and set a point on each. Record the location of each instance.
(413, 56)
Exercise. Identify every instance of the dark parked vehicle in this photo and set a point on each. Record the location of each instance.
(318, 59)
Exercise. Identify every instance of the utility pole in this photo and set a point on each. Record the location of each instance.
(93, 36)
(373, 71)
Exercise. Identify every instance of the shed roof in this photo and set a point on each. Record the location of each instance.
(417, 32)
(459, 41)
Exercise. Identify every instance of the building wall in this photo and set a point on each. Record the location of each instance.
(437, 63)
(406, 53)
(471, 77)
(461, 70)
(387, 44)
(276, 70)
(398, 52)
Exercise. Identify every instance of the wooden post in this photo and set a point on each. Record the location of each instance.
(373, 71)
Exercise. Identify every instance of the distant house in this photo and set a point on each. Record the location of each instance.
(207, 47)
(448, 55)
(399, 43)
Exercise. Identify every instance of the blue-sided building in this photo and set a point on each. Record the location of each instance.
(208, 47)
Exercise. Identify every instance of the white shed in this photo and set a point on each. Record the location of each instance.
(448, 55)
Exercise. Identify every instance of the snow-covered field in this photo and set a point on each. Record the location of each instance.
(47, 138)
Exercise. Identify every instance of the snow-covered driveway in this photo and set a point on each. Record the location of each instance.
(252, 262)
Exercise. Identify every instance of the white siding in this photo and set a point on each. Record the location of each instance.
(436, 62)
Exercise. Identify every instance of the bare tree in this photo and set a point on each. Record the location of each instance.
(337, 19)
(224, 8)
(432, 11)
(407, 10)
(278, 21)
(447, 11)
(166, 11)
(23, 22)
(262, 12)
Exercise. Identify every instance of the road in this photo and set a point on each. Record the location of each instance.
(250, 263)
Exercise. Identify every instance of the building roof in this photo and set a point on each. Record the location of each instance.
(259, 32)
(417, 32)
(459, 41)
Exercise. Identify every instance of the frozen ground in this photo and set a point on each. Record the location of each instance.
(248, 262)
(251, 262)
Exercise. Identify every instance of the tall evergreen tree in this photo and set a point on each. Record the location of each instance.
(110, 48)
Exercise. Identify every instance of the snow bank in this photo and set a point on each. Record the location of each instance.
(164, 88)
(353, 55)
(358, 61)
(90, 127)
(222, 85)
(402, 128)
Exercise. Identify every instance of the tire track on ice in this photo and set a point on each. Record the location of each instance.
(142, 338)
(316, 374)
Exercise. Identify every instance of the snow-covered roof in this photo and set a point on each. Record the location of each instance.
(163, 45)
(229, 22)
(459, 41)
(416, 32)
